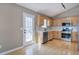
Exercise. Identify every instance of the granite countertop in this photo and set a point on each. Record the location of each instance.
(55, 29)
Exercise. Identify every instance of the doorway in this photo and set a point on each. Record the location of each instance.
(28, 29)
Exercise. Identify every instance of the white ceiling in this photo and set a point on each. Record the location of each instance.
(49, 9)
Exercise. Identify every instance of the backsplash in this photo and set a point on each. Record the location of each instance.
(57, 28)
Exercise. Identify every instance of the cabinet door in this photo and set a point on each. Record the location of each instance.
(50, 35)
(40, 20)
(57, 22)
(74, 21)
(50, 22)
(54, 34)
(74, 36)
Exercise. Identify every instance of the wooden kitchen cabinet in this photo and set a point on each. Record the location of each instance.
(50, 35)
(40, 20)
(50, 22)
(57, 22)
(74, 21)
(55, 34)
(74, 36)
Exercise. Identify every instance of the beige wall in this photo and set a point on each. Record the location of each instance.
(11, 20)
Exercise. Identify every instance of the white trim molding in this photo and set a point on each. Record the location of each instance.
(6, 52)
(9, 51)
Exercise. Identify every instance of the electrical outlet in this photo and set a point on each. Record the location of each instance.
(0, 46)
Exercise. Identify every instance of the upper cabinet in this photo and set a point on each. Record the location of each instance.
(40, 20)
(50, 21)
(57, 22)
(74, 21)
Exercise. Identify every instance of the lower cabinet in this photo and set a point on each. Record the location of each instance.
(74, 36)
(54, 35)
(50, 37)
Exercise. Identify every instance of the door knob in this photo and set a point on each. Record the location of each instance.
(24, 31)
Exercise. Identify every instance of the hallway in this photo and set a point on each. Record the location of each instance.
(54, 47)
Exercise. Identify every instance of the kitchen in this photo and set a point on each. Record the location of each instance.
(59, 28)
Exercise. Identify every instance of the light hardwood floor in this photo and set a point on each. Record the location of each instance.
(54, 47)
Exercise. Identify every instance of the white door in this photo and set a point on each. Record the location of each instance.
(28, 25)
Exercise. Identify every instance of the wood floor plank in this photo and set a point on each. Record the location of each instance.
(54, 47)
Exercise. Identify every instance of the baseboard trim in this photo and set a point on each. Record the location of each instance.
(28, 44)
(4, 53)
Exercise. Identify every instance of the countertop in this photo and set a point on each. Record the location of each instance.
(56, 28)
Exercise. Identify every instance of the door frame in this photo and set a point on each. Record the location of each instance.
(24, 15)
